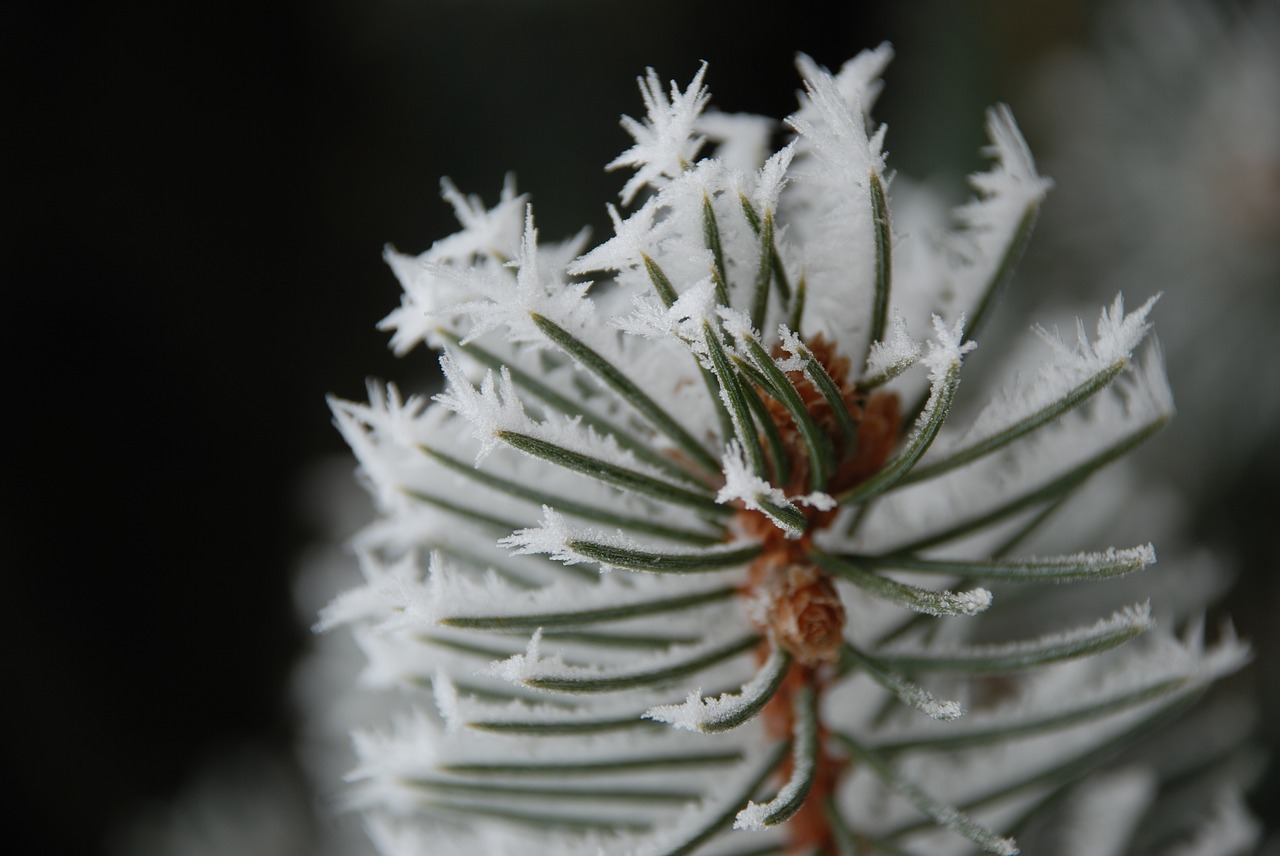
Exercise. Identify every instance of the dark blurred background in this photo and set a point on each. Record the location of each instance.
(198, 197)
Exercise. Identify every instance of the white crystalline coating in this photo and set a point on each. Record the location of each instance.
(402, 421)
(896, 353)
(683, 320)
(833, 167)
(1088, 563)
(770, 180)
(485, 232)
(754, 817)
(952, 270)
(722, 798)
(378, 433)
(633, 239)
(446, 698)
(1118, 334)
(457, 594)
(520, 313)
(554, 537)
(397, 441)
(554, 256)
(1015, 168)
(966, 602)
(1005, 193)
(379, 749)
(1201, 665)
(921, 699)
(662, 369)
(792, 344)
(495, 304)
(945, 709)
(929, 601)
(648, 318)
(945, 353)
(664, 142)
(741, 139)
(1150, 392)
(533, 666)
(1135, 404)
(486, 236)
(671, 233)
(496, 407)
(1135, 617)
(858, 80)
(518, 667)
(693, 308)
(1141, 557)
(480, 716)
(493, 408)
(388, 589)
(946, 349)
(419, 745)
(737, 324)
(1009, 193)
(741, 484)
(425, 294)
(697, 712)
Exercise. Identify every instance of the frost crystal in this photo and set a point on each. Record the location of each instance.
(743, 427)
(664, 146)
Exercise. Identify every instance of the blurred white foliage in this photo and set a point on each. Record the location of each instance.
(1165, 142)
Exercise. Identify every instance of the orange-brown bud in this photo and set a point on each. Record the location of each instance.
(806, 615)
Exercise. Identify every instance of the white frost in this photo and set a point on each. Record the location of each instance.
(740, 484)
(554, 538)
(697, 713)
(896, 353)
(754, 817)
(664, 142)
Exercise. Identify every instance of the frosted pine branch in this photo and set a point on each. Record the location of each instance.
(669, 564)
